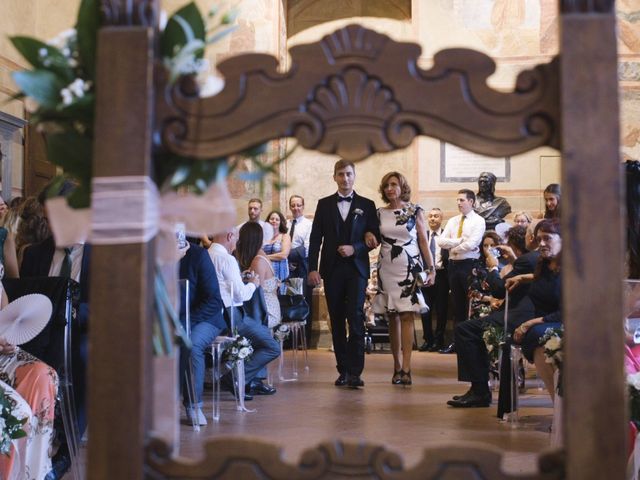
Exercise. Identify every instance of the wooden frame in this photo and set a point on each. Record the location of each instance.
(570, 103)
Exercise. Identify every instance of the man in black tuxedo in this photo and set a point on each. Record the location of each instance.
(340, 224)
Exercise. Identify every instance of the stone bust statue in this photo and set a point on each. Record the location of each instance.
(493, 209)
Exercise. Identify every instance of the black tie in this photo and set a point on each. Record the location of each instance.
(432, 247)
(344, 199)
(293, 228)
(65, 269)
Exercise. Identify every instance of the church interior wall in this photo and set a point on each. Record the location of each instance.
(518, 34)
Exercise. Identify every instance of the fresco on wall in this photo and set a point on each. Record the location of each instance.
(630, 128)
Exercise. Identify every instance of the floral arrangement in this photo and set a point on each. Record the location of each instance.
(551, 341)
(633, 383)
(493, 337)
(10, 426)
(60, 88)
(239, 349)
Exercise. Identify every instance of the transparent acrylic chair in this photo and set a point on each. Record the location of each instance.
(237, 372)
(191, 388)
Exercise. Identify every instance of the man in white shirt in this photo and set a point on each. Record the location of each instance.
(437, 295)
(234, 292)
(462, 237)
(299, 228)
(254, 210)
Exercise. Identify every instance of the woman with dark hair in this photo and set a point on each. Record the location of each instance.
(544, 297)
(254, 261)
(278, 248)
(400, 265)
(552, 196)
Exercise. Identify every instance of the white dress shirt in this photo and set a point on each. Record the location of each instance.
(228, 272)
(76, 261)
(468, 244)
(435, 234)
(301, 234)
(344, 206)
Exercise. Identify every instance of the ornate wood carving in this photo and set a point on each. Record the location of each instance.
(357, 92)
(127, 12)
(234, 457)
(587, 6)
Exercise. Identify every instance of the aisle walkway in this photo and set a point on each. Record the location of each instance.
(304, 413)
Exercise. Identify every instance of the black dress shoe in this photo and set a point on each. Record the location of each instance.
(436, 347)
(472, 401)
(464, 395)
(227, 387)
(259, 388)
(355, 381)
(450, 349)
(341, 381)
(425, 347)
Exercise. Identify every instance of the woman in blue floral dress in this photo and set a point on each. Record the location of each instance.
(278, 248)
(400, 264)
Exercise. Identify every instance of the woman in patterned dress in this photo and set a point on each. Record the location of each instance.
(400, 263)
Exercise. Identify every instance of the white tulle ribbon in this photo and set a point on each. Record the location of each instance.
(129, 209)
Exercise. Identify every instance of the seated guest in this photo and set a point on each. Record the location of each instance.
(545, 296)
(207, 321)
(33, 227)
(251, 257)
(45, 259)
(279, 246)
(479, 292)
(539, 309)
(35, 383)
(265, 347)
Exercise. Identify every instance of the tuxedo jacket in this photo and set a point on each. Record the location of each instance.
(328, 229)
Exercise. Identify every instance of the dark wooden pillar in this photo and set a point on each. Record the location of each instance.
(595, 419)
(122, 275)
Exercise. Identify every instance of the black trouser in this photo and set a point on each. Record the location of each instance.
(459, 271)
(345, 291)
(437, 299)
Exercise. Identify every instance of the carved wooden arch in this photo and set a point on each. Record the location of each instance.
(357, 92)
(577, 91)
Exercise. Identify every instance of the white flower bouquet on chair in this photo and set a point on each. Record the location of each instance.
(239, 349)
(10, 425)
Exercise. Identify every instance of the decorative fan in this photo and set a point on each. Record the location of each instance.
(24, 318)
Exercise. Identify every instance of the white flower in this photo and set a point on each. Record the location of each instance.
(554, 343)
(357, 211)
(234, 351)
(164, 19)
(67, 96)
(2, 425)
(43, 52)
(63, 39)
(244, 352)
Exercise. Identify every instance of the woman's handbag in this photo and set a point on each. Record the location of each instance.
(293, 308)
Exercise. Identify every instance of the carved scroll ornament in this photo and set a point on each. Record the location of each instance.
(249, 459)
(357, 92)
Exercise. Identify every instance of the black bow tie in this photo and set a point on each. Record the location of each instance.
(344, 199)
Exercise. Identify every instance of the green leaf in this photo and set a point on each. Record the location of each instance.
(42, 85)
(183, 25)
(72, 152)
(53, 59)
(87, 27)
(80, 197)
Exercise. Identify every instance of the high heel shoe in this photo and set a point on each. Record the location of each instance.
(397, 377)
(405, 377)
